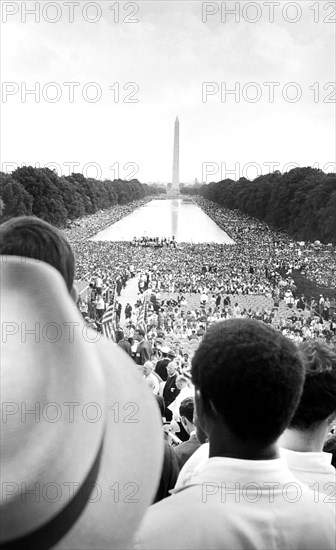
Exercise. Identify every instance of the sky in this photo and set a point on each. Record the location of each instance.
(111, 77)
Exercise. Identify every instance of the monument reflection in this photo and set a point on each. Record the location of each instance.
(166, 218)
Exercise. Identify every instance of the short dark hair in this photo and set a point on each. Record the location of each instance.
(187, 408)
(140, 331)
(252, 375)
(318, 399)
(119, 335)
(30, 237)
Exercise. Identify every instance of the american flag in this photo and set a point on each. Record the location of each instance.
(109, 322)
(142, 317)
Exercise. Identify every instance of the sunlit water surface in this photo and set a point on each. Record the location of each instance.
(165, 218)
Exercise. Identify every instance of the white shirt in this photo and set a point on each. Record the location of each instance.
(240, 504)
(193, 465)
(314, 469)
(175, 405)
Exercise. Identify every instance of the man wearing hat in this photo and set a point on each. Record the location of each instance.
(30, 237)
(69, 401)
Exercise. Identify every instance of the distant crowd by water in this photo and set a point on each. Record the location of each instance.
(255, 273)
(220, 370)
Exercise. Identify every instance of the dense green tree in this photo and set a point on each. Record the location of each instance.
(41, 192)
(16, 200)
(48, 203)
(301, 201)
(327, 219)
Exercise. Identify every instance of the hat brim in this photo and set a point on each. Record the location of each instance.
(81, 368)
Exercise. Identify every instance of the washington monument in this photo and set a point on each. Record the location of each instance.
(176, 158)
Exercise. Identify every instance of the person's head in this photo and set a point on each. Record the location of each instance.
(139, 334)
(187, 414)
(165, 350)
(30, 237)
(248, 379)
(181, 382)
(171, 368)
(79, 370)
(147, 368)
(119, 335)
(318, 400)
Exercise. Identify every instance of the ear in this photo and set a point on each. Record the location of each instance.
(200, 413)
(183, 421)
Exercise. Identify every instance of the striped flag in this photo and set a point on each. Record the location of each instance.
(142, 317)
(109, 322)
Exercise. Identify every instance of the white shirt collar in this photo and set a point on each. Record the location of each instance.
(307, 461)
(233, 471)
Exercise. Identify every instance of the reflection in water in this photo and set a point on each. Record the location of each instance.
(165, 218)
(174, 217)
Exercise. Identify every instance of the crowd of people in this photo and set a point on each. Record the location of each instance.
(155, 242)
(80, 231)
(317, 262)
(243, 452)
(193, 285)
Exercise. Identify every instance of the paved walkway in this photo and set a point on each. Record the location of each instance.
(128, 294)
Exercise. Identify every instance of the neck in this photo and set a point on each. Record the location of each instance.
(304, 441)
(227, 445)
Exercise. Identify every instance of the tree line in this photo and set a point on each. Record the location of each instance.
(41, 192)
(301, 202)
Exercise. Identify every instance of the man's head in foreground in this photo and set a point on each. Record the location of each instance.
(30, 237)
(316, 411)
(248, 379)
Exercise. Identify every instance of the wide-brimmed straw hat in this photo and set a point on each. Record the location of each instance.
(81, 442)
